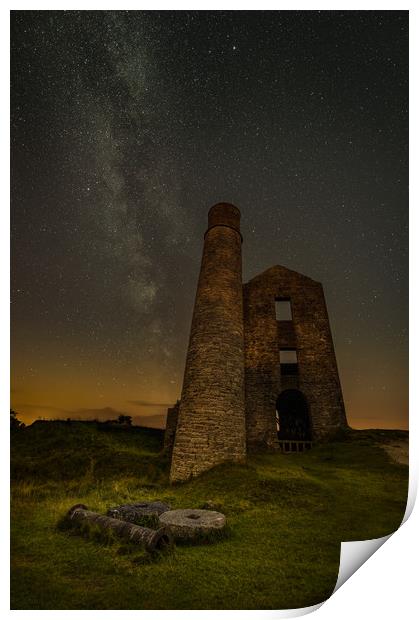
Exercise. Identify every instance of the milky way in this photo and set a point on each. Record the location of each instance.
(128, 126)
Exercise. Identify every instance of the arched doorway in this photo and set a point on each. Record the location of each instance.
(293, 417)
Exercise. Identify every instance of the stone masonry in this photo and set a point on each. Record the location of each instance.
(171, 424)
(211, 422)
(236, 388)
(308, 334)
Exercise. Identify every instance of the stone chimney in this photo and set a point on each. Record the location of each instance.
(211, 425)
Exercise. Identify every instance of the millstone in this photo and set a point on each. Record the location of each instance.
(190, 523)
(150, 539)
(131, 512)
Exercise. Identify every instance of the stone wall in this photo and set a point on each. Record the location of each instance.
(309, 333)
(171, 424)
(211, 423)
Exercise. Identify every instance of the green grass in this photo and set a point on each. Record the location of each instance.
(287, 515)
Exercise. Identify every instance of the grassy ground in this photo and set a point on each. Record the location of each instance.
(287, 516)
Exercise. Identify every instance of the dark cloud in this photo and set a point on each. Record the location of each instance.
(147, 403)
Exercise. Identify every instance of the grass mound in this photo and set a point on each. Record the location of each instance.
(287, 515)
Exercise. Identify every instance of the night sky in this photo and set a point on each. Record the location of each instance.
(126, 128)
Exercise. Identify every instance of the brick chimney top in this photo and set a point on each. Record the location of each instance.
(224, 214)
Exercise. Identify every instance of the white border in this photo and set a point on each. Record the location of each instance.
(386, 585)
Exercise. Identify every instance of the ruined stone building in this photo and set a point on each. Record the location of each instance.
(260, 371)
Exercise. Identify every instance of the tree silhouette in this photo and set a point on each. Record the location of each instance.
(125, 419)
(15, 423)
